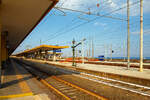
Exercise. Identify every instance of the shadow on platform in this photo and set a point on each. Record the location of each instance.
(4, 85)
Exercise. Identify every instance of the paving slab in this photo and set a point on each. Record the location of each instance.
(35, 97)
(18, 82)
(132, 72)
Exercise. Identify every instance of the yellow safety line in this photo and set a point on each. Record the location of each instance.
(23, 85)
(50, 86)
(17, 95)
(86, 91)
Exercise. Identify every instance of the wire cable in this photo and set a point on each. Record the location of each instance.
(93, 20)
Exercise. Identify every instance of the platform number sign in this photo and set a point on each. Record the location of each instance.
(59, 50)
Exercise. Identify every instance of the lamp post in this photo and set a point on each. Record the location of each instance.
(73, 50)
(82, 42)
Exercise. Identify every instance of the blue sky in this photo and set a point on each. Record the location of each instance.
(57, 29)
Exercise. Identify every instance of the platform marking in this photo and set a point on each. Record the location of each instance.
(23, 85)
(16, 95)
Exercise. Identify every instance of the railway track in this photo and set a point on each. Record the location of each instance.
(64, 89)
(135, 88)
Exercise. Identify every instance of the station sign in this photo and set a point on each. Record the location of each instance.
(59, 50)
(101, 57)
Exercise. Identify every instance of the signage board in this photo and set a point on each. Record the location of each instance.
(59, 50)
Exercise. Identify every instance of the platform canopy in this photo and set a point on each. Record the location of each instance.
(20, 17)
(42, 48)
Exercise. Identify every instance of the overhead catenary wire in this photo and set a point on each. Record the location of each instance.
(61, 6)
(89, 13)
(68, 25)
(93, 20)
(55, 34)
(63, 28)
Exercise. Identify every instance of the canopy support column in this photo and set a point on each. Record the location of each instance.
(54, 56)
(0, 53)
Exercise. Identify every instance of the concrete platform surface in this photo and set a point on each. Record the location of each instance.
(133, 72)
(18, 82)
(133, 63)
(35, 97)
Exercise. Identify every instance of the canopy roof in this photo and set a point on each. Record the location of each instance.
(43, 48)
(20, 17)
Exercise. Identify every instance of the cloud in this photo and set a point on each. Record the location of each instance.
(100, 24)
(105, 6)
(135, 9)
(145, 32)
(85, 4)
(146, 6)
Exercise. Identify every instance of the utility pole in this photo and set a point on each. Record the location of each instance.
(92, 48)
(87, 53)
(82, 42)
(107, 49)
(73, 53)
(89, 47)
(128, 39)
(111, 52)
(120, 49)
(40, 42)
(141, 35)
(73, 50)
(76, 53)
(124, 50)
(105, 52)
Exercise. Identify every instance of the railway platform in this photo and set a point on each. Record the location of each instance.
(132, 75)
(93, 76)
(132, 72)
(18, 84)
